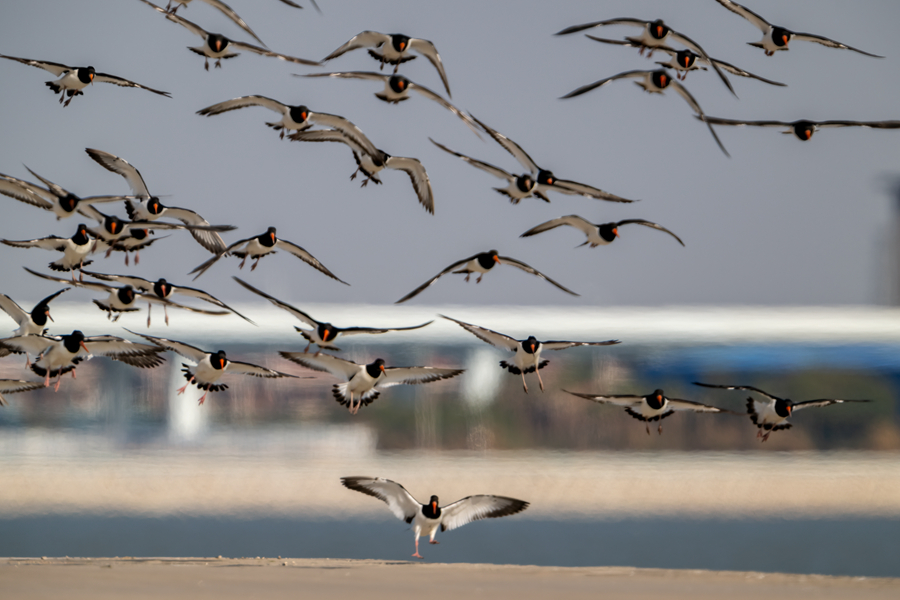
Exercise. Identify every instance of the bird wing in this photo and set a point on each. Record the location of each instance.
(592, 86)
(719, 121)
(676, 404)
(48, 243)
(574, 188)
(55, 189)
(16, 312)
(494, 338)
(306, 257)
(189, 25)
(122, 82)
(200, 270)
(582, 27)
(742, 73)
(873, 124)
(143, 356)
(738, 387)
(207, 297)
(748, 14)
(137, 283)
(376, 330)
(431, 281)
(228, 12)
(810, 37)
(326, 135)
(520, 265)
(473, 508)
(684, 93)
(683, 39)
(427, 49)
(421, 89)
(339, 367)
(631, 44)
(411, 375)
(121, 166)
(370, 75)
(495, 171)
(186, 350)
(32, 344)
(12, 386)
(24, 192)
(365, 39)
(621, 400)
(417, 175)
(347, 128)
(55, 68)
(244, 368)
(89, 285)
(560, 345)
(648, 224)
(401, 502)
(575, 221)
(157, 300)
(510, 146)
(264, 52)
(210, 240)
(243, 102)
(299, 314)
(821, 402)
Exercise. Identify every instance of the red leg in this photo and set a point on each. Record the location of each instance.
(417, 555)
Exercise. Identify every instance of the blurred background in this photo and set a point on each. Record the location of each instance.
(789, 281)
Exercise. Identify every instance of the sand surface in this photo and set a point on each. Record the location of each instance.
(135, 578)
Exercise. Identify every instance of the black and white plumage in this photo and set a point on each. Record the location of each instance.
(686, 60)
(370, 164)
(220, 6)
(210, 366)
(481, 263)
(60, 354)
(33, 322)
(653, 82)
(397, 89)
(772, 414)
(72, 80)
(54, 198)
(546, 180)
(146, 207)
(395, 49)
(599, 234)
(776, 38)
(322, 334)
(219, 47)
(137, 240)
(14, 386)
(518, 187)
(652, 407)
(293, 118)
(124, 299)
(161, 288)
(427, 518)
(363, 383)
(528, 351)
(75, 249)
(802, 129)
(258, 246)
(654, 34)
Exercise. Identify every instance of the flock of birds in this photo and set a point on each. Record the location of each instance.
(52, 356)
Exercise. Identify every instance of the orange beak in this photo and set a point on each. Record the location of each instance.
(616, 231)
(218, 45)
(163, 290)
(434, 507)
(273, 237)
(85, 348)
(382, 368)
(113, 227)
(401, 84)
(497, 259)
(662, 80)
(221, 363)
(532, 348)
(659, 398)
(687, 60)
(808, 133)
(325, 337)
(402, 46)
(549, 181)
(47, 312)
(303, 115)
(659, 31)
(785, 38)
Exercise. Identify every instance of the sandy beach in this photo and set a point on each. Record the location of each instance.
(224, 578)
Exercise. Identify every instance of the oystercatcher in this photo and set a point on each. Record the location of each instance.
(426, 518)
(75, 249)
(395, 49)
(261, 245)
(777, 38)
(219, 5)
(322, 333)
(518, 186)
(30, 323)
(597, 234)
(74, 79)
(654, 82)
(60, 354)
(210, 366)
(365, 382)
(803, 129)
(772, 414)
(137, 240)
(481, 263)
(528, 351)
(60, 201)
(13, 386)
(652, 407)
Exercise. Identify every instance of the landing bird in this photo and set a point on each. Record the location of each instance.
(685, 61)
(370, 164)
(30, 323)
(164, 290)
(652, 407)
(123, 299)
(14, 386)
(528, 351)
(599, 234)
(481, 263)
(427, 518)
(365, 382)
(60, 354)
(144, 206)
(395, 49)
(54, 198)
(220, 6)
(654, 82)
(261, 245)
(210, 366)
(219, 47)
(654, 35)
(803, 129)
(322, 334)
(777, 38)
(75, 249)
(772, 414)
(74, 79)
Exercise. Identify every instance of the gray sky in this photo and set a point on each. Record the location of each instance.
(781, 222)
